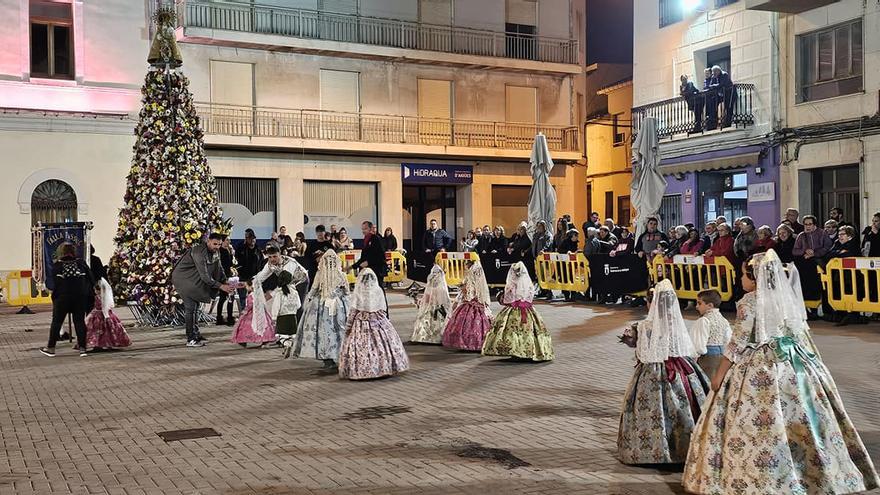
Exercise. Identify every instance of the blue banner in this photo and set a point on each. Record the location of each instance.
(56, 234)
(430, 173)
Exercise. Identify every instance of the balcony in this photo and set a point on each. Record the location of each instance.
(787, 6)
(319, 129)
(280, 28)
(679, 117)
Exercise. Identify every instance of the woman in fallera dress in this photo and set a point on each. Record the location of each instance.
(255, 324)
(518, 330)
(664, 396)
(470, 320)
(776, 423)
(322, 327)
(434, 309)
(372, 347)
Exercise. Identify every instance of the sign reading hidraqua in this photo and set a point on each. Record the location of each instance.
(429, 173)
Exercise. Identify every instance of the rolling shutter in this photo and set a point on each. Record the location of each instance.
(435, 12)
(232, 83)
(522, 104)
(435, 99)
(524, 12)
(339, 91)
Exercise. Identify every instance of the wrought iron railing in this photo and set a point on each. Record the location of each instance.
(700, 113)
(232, 120)
(301, 23)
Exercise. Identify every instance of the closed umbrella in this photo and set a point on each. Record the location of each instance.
(648, 184)
(542, 196)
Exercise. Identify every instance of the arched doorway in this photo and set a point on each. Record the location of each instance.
(53, 201)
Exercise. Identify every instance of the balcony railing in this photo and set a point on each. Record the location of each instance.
(700, 113)
(231, 120)
(301, 23)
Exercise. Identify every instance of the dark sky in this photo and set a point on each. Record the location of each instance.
(609, 31)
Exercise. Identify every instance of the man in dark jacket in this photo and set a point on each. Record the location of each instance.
(724, 94)
(226, 262)
(373, 256)
(249, 259)
(436, 239)
(198, 277)
(73, 295)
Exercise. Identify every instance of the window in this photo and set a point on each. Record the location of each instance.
(345, 204)
(521, 27)
(830, 62)
(340, 105)
(250, 203)
(232, 84)
(609, 205)
(624, 211)
(670, 211)
(435, 111)
(51, 40)
(724, 3)
(619, 135)
(670, 12)
(53, 201)
(521, 104)
(837, 187)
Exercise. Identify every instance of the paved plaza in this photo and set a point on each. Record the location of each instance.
(456, 423)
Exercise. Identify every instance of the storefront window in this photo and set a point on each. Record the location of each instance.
(724, 194)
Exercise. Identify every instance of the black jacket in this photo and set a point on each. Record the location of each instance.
(846, 249)
(872, 241)
(373, 253)
(567, 246)
(437, 240)
(783, 249)
(498, 244)
(521, 245)
(250, 262)
(226, 261)
(99, 271)
(390, 242)
(484, 244)
(74, 285)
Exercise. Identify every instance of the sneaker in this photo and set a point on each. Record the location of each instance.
(201, 339)
(47, 352)
(194, 343)
(83, 353)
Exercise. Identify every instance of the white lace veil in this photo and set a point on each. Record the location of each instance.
(106, 297)
(436, 290)
(330, 275)
(368, 296)
(474, 285)
(779, 312)
(519, 286)
(665, 335)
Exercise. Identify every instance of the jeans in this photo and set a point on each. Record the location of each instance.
(190, 314)
(60, 310)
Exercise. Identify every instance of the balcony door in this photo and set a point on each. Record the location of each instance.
(435, 30)
(339, 118)
(339, 20)
(435, 112)
(522, 28)
(232, 99)
(521, 116)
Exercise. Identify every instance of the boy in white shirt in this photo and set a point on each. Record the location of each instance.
(711, 332)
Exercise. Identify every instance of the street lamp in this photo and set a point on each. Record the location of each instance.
(688, 6)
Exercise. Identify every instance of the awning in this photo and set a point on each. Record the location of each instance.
(736, 161)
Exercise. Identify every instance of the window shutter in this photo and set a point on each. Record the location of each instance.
(339, 91)
(523, 12)
(340, 6)
(522, 104)
(232, 83)
(435, 99)
(435, 12)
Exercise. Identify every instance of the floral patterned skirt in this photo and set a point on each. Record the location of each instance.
(371, 349)
(429, 326)
(105, 332)
(777, 425)
(320, 334)
(244, 328)
(511, 336)
(467, 327)
(660, 410)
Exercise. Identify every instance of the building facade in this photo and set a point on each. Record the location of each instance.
(315, 111)
(716, 147)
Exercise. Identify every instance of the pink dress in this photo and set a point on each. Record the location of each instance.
(467, 327)
(244, 329)
(105, 332)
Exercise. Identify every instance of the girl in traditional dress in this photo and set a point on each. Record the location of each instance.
(518, 330)
(776, 423)
(372, 348)
(255, 323)
(470, 320)
(103, 328)
(434, 309)
(322, 327)
(664, 396)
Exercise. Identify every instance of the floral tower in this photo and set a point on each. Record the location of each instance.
(171, 198)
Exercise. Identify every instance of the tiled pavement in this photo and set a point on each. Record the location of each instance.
(89, 425)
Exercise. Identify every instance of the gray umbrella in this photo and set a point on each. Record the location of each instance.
(648, 184)
(542, 196)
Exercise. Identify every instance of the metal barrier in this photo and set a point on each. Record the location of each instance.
(568, 272)
(692, 274)
(20, 290)
(853, 284)
(453, 265)
(395, 260)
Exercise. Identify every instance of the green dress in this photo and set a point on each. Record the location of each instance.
(519, 331)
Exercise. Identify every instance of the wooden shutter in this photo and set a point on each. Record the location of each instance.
(339, 91)
(435, 12)
(523, 12)
(435, 99)
(232, 83)
(522, 104)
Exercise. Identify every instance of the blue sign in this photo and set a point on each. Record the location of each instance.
(429, 173)
(54, 235)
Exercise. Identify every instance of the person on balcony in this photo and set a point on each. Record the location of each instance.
(696, 102)
(724, 93)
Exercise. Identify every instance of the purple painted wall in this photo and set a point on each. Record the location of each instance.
(762, 212)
